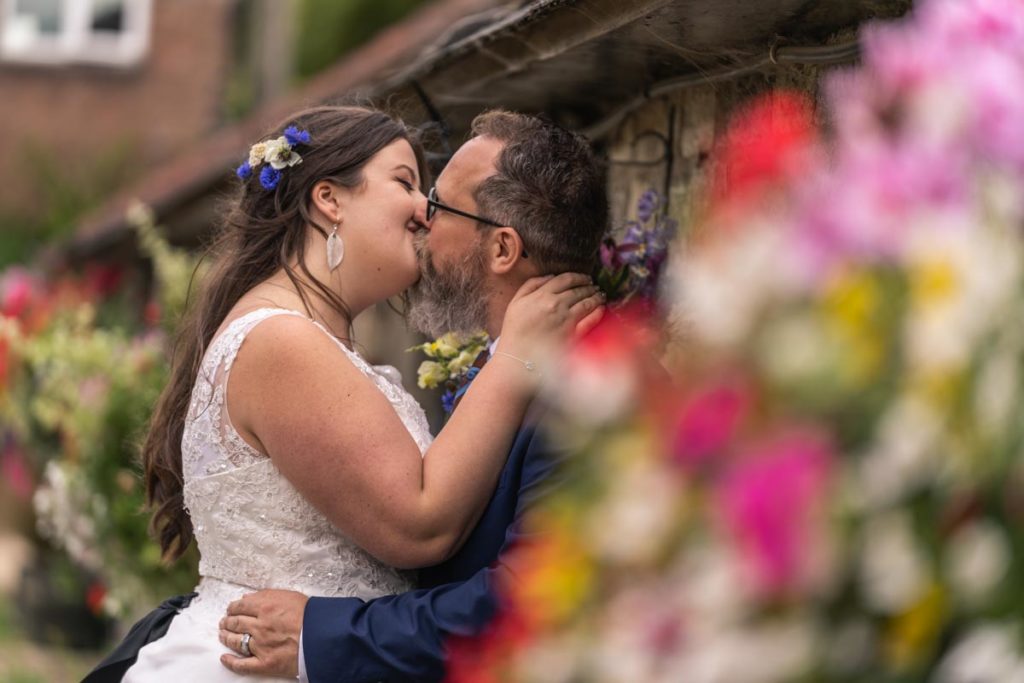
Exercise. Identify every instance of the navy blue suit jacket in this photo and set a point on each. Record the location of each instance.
(402, 637)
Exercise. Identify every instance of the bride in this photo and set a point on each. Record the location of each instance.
(293, 462)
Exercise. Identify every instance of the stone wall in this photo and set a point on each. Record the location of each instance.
(667, 143)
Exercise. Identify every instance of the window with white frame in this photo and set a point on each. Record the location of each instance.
(114, 32)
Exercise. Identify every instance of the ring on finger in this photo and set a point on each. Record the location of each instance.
(244, 647)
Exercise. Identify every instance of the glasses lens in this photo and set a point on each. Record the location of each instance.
(431, 198)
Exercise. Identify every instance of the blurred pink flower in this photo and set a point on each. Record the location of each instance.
(998, 24)
(18, 289)
(769, 502)
(864, 206)
(16, 473)
(708, 422)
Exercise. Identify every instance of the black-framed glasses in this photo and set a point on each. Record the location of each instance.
(433, 205)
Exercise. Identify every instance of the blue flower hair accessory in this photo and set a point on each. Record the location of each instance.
(278, 154)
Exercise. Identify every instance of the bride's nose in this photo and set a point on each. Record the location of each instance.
(419, 214)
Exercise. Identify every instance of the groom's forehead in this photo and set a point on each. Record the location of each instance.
(472, 163)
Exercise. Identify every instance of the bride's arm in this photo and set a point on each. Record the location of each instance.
(337, 439)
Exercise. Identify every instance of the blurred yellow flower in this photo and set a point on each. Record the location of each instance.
(933, 281)
(431, 374)
(852, 308)
(910, 636)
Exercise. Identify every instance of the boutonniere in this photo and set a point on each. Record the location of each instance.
(451, 361)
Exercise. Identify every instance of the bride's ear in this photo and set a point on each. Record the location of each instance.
(505, 250)
(326, 198)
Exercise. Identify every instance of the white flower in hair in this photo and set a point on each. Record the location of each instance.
(278, 154)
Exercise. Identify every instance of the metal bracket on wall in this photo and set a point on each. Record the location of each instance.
(666, 149)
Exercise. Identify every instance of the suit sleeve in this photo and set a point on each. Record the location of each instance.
(402, 637)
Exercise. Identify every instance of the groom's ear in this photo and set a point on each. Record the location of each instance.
(505, 250)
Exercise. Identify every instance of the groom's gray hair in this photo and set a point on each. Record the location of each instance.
(549, 186)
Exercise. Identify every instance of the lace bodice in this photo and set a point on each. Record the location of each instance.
(253, 528)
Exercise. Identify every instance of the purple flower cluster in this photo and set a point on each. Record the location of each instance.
(632, 266)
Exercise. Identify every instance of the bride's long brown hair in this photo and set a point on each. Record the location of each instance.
(263, 231)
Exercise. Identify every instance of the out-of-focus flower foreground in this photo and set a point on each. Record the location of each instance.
(79, 375)
(828, 484)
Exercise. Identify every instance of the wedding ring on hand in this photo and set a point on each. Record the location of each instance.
(244, 647)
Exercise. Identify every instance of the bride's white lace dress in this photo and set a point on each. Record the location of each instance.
(254, 530)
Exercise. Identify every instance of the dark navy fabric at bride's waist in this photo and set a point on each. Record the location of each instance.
(149, 628)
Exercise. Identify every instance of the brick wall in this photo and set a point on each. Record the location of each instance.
(138, 116)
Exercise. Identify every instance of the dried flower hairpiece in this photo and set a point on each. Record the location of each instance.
(278, 154)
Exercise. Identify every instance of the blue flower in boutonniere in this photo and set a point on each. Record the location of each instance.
(450, 363)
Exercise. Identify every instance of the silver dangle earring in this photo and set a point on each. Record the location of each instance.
(335, 248)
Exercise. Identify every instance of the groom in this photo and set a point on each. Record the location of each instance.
(521, 198)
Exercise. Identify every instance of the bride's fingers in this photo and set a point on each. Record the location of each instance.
(585, 306)
(590, 320)
(565, 281)
(532, 285)
(571, 297)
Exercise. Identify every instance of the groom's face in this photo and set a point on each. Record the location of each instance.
(451, 294)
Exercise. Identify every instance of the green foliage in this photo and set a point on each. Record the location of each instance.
(65, 193)
(81, 393)
(328, 29)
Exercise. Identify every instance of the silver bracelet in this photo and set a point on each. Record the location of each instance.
(528, 364)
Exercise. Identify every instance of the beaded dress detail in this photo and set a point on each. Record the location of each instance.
(253, 528)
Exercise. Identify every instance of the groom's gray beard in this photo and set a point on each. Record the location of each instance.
(452, 300)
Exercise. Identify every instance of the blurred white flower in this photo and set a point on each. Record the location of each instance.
(977, 558)
(721, 293)
(955, 302)
(988, 654)
(774, 651)
(997, 392)
(592, 388)
(63, 516)
(903, 455)
(712, 586)
(637, 515)
(893, 574)
(553, 660)
(796, 350)
(643, 628)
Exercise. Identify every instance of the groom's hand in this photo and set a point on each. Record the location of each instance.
(273, 620)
